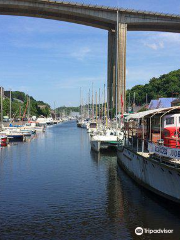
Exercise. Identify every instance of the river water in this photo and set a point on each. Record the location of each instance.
(55, 187)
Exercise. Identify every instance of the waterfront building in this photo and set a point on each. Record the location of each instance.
(161, 103)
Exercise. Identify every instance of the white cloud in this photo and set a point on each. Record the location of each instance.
(151, 45)
(169, 37)
(154, 46)
(81, 53)
(161, 44)
(161, 40)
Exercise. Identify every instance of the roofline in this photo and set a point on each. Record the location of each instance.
(150, 113)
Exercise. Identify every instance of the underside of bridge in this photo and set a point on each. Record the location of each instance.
(104, 18)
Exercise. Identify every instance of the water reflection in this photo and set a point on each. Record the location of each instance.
(114, 200)
(146, 210)
(96, 156)
(55, 187)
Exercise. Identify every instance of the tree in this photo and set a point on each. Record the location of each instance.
(164, 86)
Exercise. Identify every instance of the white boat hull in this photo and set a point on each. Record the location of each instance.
(103, 142)
(160, 178)
(95, 145)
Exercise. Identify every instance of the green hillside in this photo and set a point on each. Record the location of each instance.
(18, 107)
(167, 85)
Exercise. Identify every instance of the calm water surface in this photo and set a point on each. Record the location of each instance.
(55, 187)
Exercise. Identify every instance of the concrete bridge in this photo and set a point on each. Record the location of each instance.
(104, 18)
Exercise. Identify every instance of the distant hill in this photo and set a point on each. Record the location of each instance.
(67, 110)
(19, 102)
(167, 85)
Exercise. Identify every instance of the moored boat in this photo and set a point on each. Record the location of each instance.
(107, 140)
(3, 140)
(150, 153)
(92, 127)
(13, 135)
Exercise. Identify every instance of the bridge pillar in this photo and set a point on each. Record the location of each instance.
(111, 83)
(121, 65)
(117, 58)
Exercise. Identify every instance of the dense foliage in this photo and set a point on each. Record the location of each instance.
(19, 107)
(166, 85)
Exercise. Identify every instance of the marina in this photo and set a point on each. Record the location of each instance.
(150, 154)
(44, 196)
(105, 164)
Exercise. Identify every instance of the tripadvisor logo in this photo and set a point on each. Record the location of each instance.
(140, 231)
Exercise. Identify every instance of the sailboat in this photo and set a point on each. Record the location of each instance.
(106, 138)
(110, 137)
(3, 137)
(92, 126)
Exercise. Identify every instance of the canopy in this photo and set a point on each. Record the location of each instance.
(151, 112)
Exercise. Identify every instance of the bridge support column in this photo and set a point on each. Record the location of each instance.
(111, 83)
(121, 65)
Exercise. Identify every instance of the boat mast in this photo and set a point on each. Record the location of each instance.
(54, 110)
(102, 111)
(10, 105)
(117, 37)
(104, 103)
(87, 107)
(96, 107)
(89, 104)
(1, 106)
(80, 103)
(105, 112)
(99, 103)
(92, 103)
(105, 106)
(107, 109)
(29, 106)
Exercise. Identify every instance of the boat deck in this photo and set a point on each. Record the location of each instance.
(144, 154)
(164, 160)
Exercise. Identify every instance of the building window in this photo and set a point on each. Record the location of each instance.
(169, 120)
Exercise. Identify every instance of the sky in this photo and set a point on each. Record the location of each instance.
(50, 60)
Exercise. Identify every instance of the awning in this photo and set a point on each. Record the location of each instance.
(150, 112)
